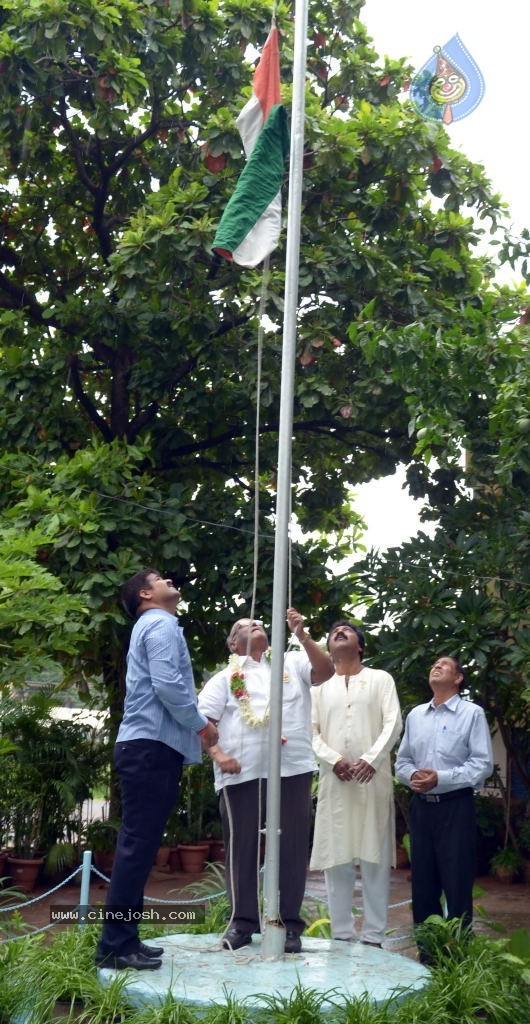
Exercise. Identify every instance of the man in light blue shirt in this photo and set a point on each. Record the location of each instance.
(444, 755)
(161, 731)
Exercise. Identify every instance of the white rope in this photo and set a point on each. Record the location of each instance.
(27, 903)
(259, 360)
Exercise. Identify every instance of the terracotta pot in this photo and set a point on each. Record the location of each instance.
(173, 859)
(162, 856)
(103, 860)
(24, 871)
(3, 863)
(193, 856)
(402, 857)
(217, 850)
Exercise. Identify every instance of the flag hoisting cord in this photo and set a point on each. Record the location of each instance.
(273, 933)
(248, 232)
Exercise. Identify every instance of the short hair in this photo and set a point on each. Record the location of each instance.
(456, 663)
(130, 592)
(351, 625)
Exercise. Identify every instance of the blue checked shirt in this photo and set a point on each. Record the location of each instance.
(453, 739)
(161, 701)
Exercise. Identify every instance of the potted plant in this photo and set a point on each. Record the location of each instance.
(524, 845)
(25, 859)
(196, 797)
(100, 837)
(217, 846)
(402, 798)
(506, 864)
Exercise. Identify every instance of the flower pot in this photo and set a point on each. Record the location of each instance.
(24, 871)
(173, 859)
(217, 850)
(162, 856)
(193, 856)
(402, 857)
(103, 861)
(3, 863)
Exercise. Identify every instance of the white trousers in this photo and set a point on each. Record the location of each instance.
(375, 879)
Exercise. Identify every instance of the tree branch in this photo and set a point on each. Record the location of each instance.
(85, 402)
(21, 298)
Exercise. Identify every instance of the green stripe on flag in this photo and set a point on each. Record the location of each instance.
(259, 182)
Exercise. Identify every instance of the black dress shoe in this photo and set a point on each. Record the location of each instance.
(152, 951)
(135, 961)
(293, 943)
(234, 939)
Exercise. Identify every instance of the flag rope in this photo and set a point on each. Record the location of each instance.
(259, 360)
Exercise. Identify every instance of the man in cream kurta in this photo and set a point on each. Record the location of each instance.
(356, 722)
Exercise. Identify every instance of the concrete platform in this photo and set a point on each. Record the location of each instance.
(196, 970)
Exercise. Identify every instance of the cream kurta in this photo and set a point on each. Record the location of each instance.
(361, 721)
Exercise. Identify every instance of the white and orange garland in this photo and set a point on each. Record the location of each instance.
(241, 694)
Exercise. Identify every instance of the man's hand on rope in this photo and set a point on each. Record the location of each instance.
(295, 621)
(229, 765)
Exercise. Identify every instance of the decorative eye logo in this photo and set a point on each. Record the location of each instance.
(449, 86)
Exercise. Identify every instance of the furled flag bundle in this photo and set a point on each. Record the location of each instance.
(250, 226)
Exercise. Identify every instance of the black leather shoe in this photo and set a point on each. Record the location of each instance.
(293, 943)
(152, 951)
(365, 942)
(234, 939)
(135, 961)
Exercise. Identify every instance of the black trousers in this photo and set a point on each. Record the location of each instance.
(149, 774)
(443, 848)
(295, 822)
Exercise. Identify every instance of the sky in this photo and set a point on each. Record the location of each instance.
(496, 135)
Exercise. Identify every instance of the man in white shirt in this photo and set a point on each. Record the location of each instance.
(356, 722)
(237, 701)
(445, 754)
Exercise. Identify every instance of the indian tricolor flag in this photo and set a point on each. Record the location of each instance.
(250, 226)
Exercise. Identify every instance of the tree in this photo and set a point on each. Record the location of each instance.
(464, 590)
(39, 620)
(128, 352)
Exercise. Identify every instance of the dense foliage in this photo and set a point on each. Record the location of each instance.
(128, 352)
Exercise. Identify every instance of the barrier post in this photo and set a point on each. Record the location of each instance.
(84, 899)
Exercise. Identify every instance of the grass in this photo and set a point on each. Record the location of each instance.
(475, 980)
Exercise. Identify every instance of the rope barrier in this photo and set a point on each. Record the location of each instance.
(49, 892)
(318, 897)
(29, 935)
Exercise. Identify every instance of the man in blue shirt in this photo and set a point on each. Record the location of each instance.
(444, 755)
(161, 731)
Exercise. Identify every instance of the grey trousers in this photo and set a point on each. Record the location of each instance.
(241, 846)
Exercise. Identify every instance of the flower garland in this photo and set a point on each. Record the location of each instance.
(240, 692)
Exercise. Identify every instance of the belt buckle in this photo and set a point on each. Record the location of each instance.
(432, 798)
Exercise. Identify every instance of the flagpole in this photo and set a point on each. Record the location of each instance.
(273, 932)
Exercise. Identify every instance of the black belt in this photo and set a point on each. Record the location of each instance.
(439, 798)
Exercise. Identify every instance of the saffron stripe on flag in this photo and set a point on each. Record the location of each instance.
(250, 226)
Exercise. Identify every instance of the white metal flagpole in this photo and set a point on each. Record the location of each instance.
(273, 932)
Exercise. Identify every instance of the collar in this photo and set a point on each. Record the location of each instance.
(450, 705)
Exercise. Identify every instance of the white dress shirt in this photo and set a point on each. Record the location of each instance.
(249, 744)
